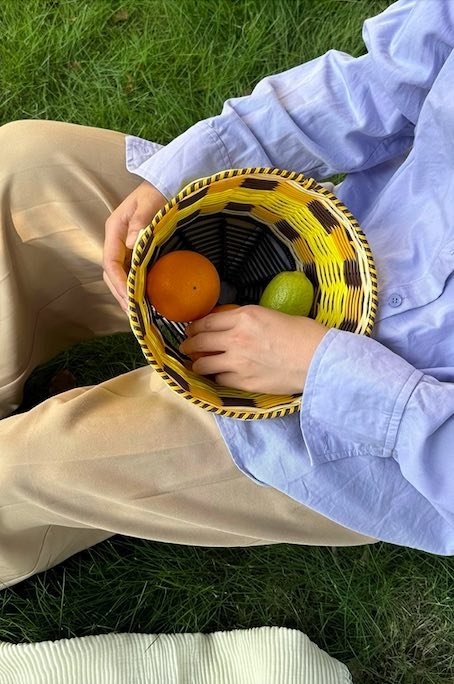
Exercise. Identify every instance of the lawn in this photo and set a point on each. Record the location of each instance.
(152, 68)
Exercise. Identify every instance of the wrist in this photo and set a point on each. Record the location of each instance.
(304, 343)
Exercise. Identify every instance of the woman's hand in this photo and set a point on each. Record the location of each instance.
(122, 228)
(255, 349)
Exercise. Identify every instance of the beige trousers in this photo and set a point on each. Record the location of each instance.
(127, 456)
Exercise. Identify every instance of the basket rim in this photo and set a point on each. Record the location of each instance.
(145, 237)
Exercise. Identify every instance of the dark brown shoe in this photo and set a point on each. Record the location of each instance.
(62, 381)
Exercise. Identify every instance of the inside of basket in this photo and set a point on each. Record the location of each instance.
(253, 228)
(245, 252)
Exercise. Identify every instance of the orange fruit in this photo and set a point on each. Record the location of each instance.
(183, 285)
(224, 307)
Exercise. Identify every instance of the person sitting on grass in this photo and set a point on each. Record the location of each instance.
(370, 455)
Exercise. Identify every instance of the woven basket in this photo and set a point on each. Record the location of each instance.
(252, 224)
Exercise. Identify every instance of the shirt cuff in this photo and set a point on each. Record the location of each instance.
(196, 153)
(354, 398)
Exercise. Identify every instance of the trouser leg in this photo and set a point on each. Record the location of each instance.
(58, 184)
(131, 456)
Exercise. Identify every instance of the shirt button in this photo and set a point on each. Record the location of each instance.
(395, 300)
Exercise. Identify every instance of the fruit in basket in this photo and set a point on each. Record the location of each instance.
(183, 285)
(224, 307)
(290, 292)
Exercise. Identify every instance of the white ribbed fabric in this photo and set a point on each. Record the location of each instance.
(264, 655)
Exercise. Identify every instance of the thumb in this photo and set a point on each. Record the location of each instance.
(148, 200)
(133, 230)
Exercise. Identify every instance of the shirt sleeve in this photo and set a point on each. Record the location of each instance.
(361, 399)
(334, 114)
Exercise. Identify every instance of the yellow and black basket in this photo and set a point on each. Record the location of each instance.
(252, 224)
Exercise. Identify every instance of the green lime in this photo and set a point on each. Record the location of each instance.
(290, 292)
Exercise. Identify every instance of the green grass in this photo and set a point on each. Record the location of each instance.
(152, 68)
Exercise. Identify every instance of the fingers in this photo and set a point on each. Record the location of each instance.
(224, 320)
(121, 231)
(213, 365)
(116, 269)
(205, 342)
(123, 302)
(222, 368)
(115, 258)
(132, 236)
(231, 380)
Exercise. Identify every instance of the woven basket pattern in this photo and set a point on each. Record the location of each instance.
(252, 224)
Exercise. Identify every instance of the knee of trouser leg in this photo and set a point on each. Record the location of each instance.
(22, 141)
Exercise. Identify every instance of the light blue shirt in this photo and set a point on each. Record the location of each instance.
(373, 446)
